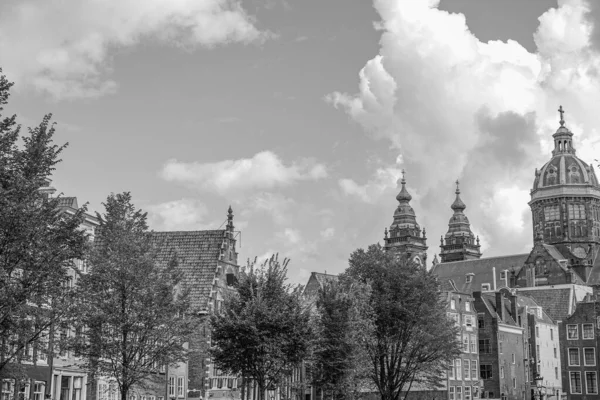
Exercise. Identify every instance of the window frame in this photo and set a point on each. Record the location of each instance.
(585, 364)
(587, 390)
(466, 369)
(569, 351)
(583, 336)
(576, 330)
(571, 375)
(180, 386)
(487, 368)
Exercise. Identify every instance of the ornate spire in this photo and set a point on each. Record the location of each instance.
(403, 196)
(563, 138)
(460, 241)
(230, 226)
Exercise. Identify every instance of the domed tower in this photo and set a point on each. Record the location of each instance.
(405, 233)
(565, 204)
(460, 241)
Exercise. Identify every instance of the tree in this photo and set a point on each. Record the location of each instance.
(413, 341)
(38, 243)
(263, 330)
(342, 321)
(135, 313)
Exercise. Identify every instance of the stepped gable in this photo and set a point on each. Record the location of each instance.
(198, 255)
(480, 271)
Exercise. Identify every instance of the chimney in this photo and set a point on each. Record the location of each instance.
(513, 307)
(500, 305)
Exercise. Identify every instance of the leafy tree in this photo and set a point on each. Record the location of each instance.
(413, 342)
(134, 312)
(342, 321)
(263, 330)
(38, 243)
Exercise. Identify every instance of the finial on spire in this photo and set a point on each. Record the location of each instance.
(561, 112)
(403, 177)
(477, 240)
(385, 233)
(441, 240)
(424, 233)
(457, 187)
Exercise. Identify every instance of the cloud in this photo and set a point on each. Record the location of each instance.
(184, 214)
(371, 192)
(65, 46)
(275, 205)
(265, 170)
(456, 107)
(327, 233)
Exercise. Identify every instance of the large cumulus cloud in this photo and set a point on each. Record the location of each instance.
(455, 107)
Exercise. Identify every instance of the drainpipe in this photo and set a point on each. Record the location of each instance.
(494, 272)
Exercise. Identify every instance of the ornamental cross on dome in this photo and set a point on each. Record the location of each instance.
(561, 112)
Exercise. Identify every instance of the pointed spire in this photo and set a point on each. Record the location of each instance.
(403, 195)
(230, 226)
(458, 204)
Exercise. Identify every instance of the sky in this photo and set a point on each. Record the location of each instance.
(301, 114)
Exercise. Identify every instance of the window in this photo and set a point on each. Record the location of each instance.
(484, 346)
(480, 321)
(465, 343)
(468, 321)
(473, 344)
(485, 371)
(180, 386)
(537, 354)
(500, 347)
(514, 382)
(451, 391)
(537, 331)
(485, 287)
(453, 304)
(230, 383)
(572, 333)
(458, 369)
(575, 382)
(38, 391)
(469, 278)
(102, 389)
(555, 372)
(171, 386)
(468, 305)
(7, 390)
(513, 358)
(573, 357)
(589, 356)
(501, 372)
(555, 353)
(467, 369)
(474, 370)
(551, 334)
(451, 371)
(591, 383)
(587, 331)
(459, 393)
(77, 380)
(468, 392)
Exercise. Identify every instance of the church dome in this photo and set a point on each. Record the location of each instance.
(565, 173)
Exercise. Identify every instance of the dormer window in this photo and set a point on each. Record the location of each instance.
(469, 278)
(485, 287)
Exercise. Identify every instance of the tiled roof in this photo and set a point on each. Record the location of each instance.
(481, 270)
(323, 278)
(527, 301)
(198, 256)
(556, 302)
(68, 202)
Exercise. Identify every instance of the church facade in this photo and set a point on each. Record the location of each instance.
(558, 275)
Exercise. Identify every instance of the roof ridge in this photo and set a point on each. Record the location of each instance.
(484, 258)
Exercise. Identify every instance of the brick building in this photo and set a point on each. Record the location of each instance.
(501, 346)
(579, 339)
(463, 376)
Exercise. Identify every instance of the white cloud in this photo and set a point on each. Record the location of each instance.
(184, 214)
(327, 233)
(290, 236)
(456, 107)
(277, 206)
(65, 46)
(382, 182)
(265, 170)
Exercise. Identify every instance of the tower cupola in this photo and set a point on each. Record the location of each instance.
(405, 235)
(460, 242)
